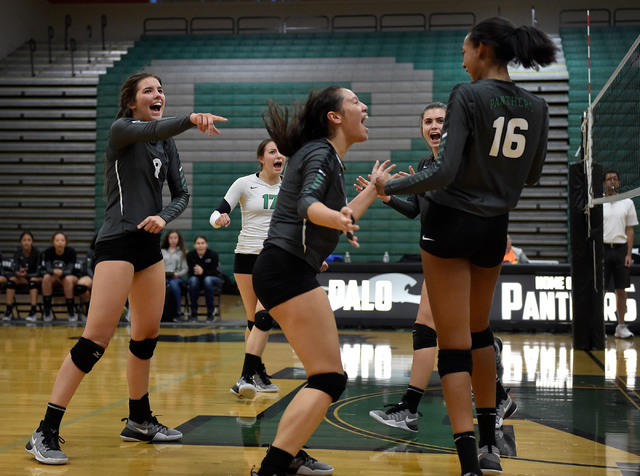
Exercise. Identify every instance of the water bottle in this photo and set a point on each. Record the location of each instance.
(347, 257)
(385, 258)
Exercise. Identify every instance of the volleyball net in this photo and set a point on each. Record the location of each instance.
(611, 128)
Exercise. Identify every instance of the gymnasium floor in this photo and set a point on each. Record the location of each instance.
(578, 412)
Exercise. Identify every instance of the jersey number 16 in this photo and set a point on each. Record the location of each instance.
(514, 143)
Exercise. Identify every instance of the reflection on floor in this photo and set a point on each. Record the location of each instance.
(578, 412)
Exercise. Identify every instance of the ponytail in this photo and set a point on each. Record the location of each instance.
(291, 129)
(525, 45)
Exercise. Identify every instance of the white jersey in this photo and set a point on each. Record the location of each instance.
(257, 200)
(616, 217)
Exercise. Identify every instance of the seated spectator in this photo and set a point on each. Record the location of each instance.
(27, 262)
(59, 263)
(176, 270)
(514, 255)
(203, 274)
(85, 280)
(3, 277)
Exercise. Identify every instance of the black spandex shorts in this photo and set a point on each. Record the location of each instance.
(139, 248)
(614, 267)
(279, 276)
(450, 233)
(243, 263)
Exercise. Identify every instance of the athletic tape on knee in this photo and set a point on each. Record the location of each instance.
(451, 361)
(264, 321)
(143, 349)
(250, 324)
(85, 354)
(333, 384)
(424, 337)
(482, 339)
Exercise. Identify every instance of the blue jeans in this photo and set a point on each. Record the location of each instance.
(175, 286)
(209, 284)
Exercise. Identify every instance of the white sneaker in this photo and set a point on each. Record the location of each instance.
(623, 331)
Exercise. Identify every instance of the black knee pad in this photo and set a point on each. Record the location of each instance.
(85, 354)
(33, 285)
(333, 384)
(250, 324)
(482, 339)
(11, 284)
(143, 349)
(424, 337)
(81, 289)
(451, 361)
(264, 321)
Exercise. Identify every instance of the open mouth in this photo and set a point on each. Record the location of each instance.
(435, 136)
(156, 107)
(277, 164)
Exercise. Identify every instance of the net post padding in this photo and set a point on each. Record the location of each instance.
(586, 260)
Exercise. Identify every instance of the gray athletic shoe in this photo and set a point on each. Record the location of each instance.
(398, 416)
(263, 383)
(505, 406)
(244, 389)
(151, 430)
(72, 317)
(307, 465)
(47, 316)
(489, 459)
(45, 446)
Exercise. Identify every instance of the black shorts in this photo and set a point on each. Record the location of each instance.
(450, 233)
(139, 248)
(243, 263)
(279, 276)
(614, 267)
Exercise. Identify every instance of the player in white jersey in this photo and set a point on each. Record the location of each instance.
(256, 194)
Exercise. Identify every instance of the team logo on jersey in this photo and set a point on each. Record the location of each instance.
(157, 164)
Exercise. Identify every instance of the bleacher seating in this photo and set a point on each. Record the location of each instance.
(395, 73)
(47, 144)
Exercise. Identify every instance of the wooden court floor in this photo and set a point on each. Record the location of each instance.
(578, 412)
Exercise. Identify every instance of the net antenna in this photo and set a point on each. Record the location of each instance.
(587, 129)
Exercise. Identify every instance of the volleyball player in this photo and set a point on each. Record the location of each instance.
(404, 415)
(494, 142)
(141, 155)
(257, 194)
(310, 215)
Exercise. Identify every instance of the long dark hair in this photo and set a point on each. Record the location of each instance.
(291, 129)
(525, 45)
(181, 245)
(129, 90)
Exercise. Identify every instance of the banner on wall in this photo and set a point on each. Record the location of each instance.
(521, 301)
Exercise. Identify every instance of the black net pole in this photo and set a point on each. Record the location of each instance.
(586, 261)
